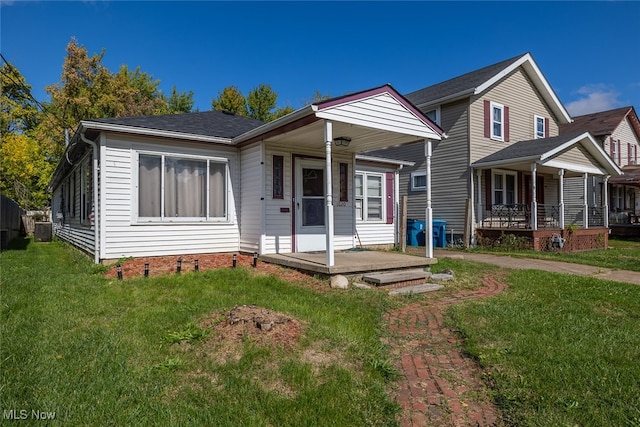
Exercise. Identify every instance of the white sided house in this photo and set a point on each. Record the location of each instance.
(214, 182)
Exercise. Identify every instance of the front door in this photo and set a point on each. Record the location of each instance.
(310, 205)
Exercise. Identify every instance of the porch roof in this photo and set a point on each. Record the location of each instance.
(546, 152)
(370, 120)
(631, 176)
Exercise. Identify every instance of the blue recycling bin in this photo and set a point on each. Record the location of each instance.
(439, 233)
(415, 232)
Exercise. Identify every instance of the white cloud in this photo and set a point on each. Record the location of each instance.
(594, 98)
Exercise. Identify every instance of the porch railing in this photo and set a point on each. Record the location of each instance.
(519, 216)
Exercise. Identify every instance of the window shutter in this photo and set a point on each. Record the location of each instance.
(619, 153)
(487, 119)
(546, 127)
(487, 189)
(506, 124)
(628, 153)
(390, 193)
(519, 186)
(611, 148)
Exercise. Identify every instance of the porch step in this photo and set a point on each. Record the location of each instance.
(398, 277)
(417, 289)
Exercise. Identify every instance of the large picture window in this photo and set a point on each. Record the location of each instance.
(369, 189)
(177, 188)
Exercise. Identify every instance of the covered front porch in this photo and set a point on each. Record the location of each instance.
(539, 190)
(312, 197)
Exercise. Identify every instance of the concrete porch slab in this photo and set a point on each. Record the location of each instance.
(396, 276)
(348, 262)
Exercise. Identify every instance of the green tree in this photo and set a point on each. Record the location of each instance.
(179, 102)
(230, 99)
(261, 101)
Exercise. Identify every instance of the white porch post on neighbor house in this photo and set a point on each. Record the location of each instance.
(585, 184)
(534, 199)
(328, 140)
(561, 197)
(428, 226)
(605, 201)
(479, 197)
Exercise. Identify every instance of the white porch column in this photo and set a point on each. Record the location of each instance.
(479, 197)
(585, 184)
(534, 198)
(605, 201)
(561, 197)
(428, 238)
(328, 140)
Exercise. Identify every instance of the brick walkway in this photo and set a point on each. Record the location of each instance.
(439, 386)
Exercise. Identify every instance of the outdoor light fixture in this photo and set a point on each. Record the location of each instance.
(196, 266)
(255, 259)
(342, 141)
(235, 260)
(146, 269)
(119, 271)
(179, 267)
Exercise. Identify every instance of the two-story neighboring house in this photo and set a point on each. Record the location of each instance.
(618, 133)
(504, 165)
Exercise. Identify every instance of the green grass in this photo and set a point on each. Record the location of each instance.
(558, 350)
(108, 352)
(622, 255)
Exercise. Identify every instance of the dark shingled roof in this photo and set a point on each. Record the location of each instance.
(528, 149)
(209, 123)
(459, 84)
(598, 124)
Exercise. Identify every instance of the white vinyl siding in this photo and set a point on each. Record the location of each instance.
(124, 237)
(68, 211)
(251, 210)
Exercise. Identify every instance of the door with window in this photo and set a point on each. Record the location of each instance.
(310, 205)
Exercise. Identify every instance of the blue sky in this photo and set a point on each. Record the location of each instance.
(588, 51)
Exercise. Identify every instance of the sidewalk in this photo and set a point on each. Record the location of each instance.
(545, 265)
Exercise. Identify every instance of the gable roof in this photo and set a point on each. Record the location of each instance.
(476, 82)
(602, 123)
(220, 124)
(543, 151)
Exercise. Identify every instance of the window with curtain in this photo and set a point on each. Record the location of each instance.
(504, 188)
(172, 188)
(369, 196)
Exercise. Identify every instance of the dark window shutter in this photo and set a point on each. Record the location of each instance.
(506, 124)
(390, 192)
(611, 148)
(546, 127)
(487, 189)
(619, 153)
(519, 184)
(487, 119)
(629, 153)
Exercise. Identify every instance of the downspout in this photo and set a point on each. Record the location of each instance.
(96, 218)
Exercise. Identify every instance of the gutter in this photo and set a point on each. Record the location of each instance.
(96, 218)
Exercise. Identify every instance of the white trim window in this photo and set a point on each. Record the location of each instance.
(497, 121)
(369, 188)
(419, 181)
(504, 188)
(539, 126)
(434, 115)
(180, 188)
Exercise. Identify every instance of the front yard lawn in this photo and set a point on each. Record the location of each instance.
(159, 351)
(558, 350)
